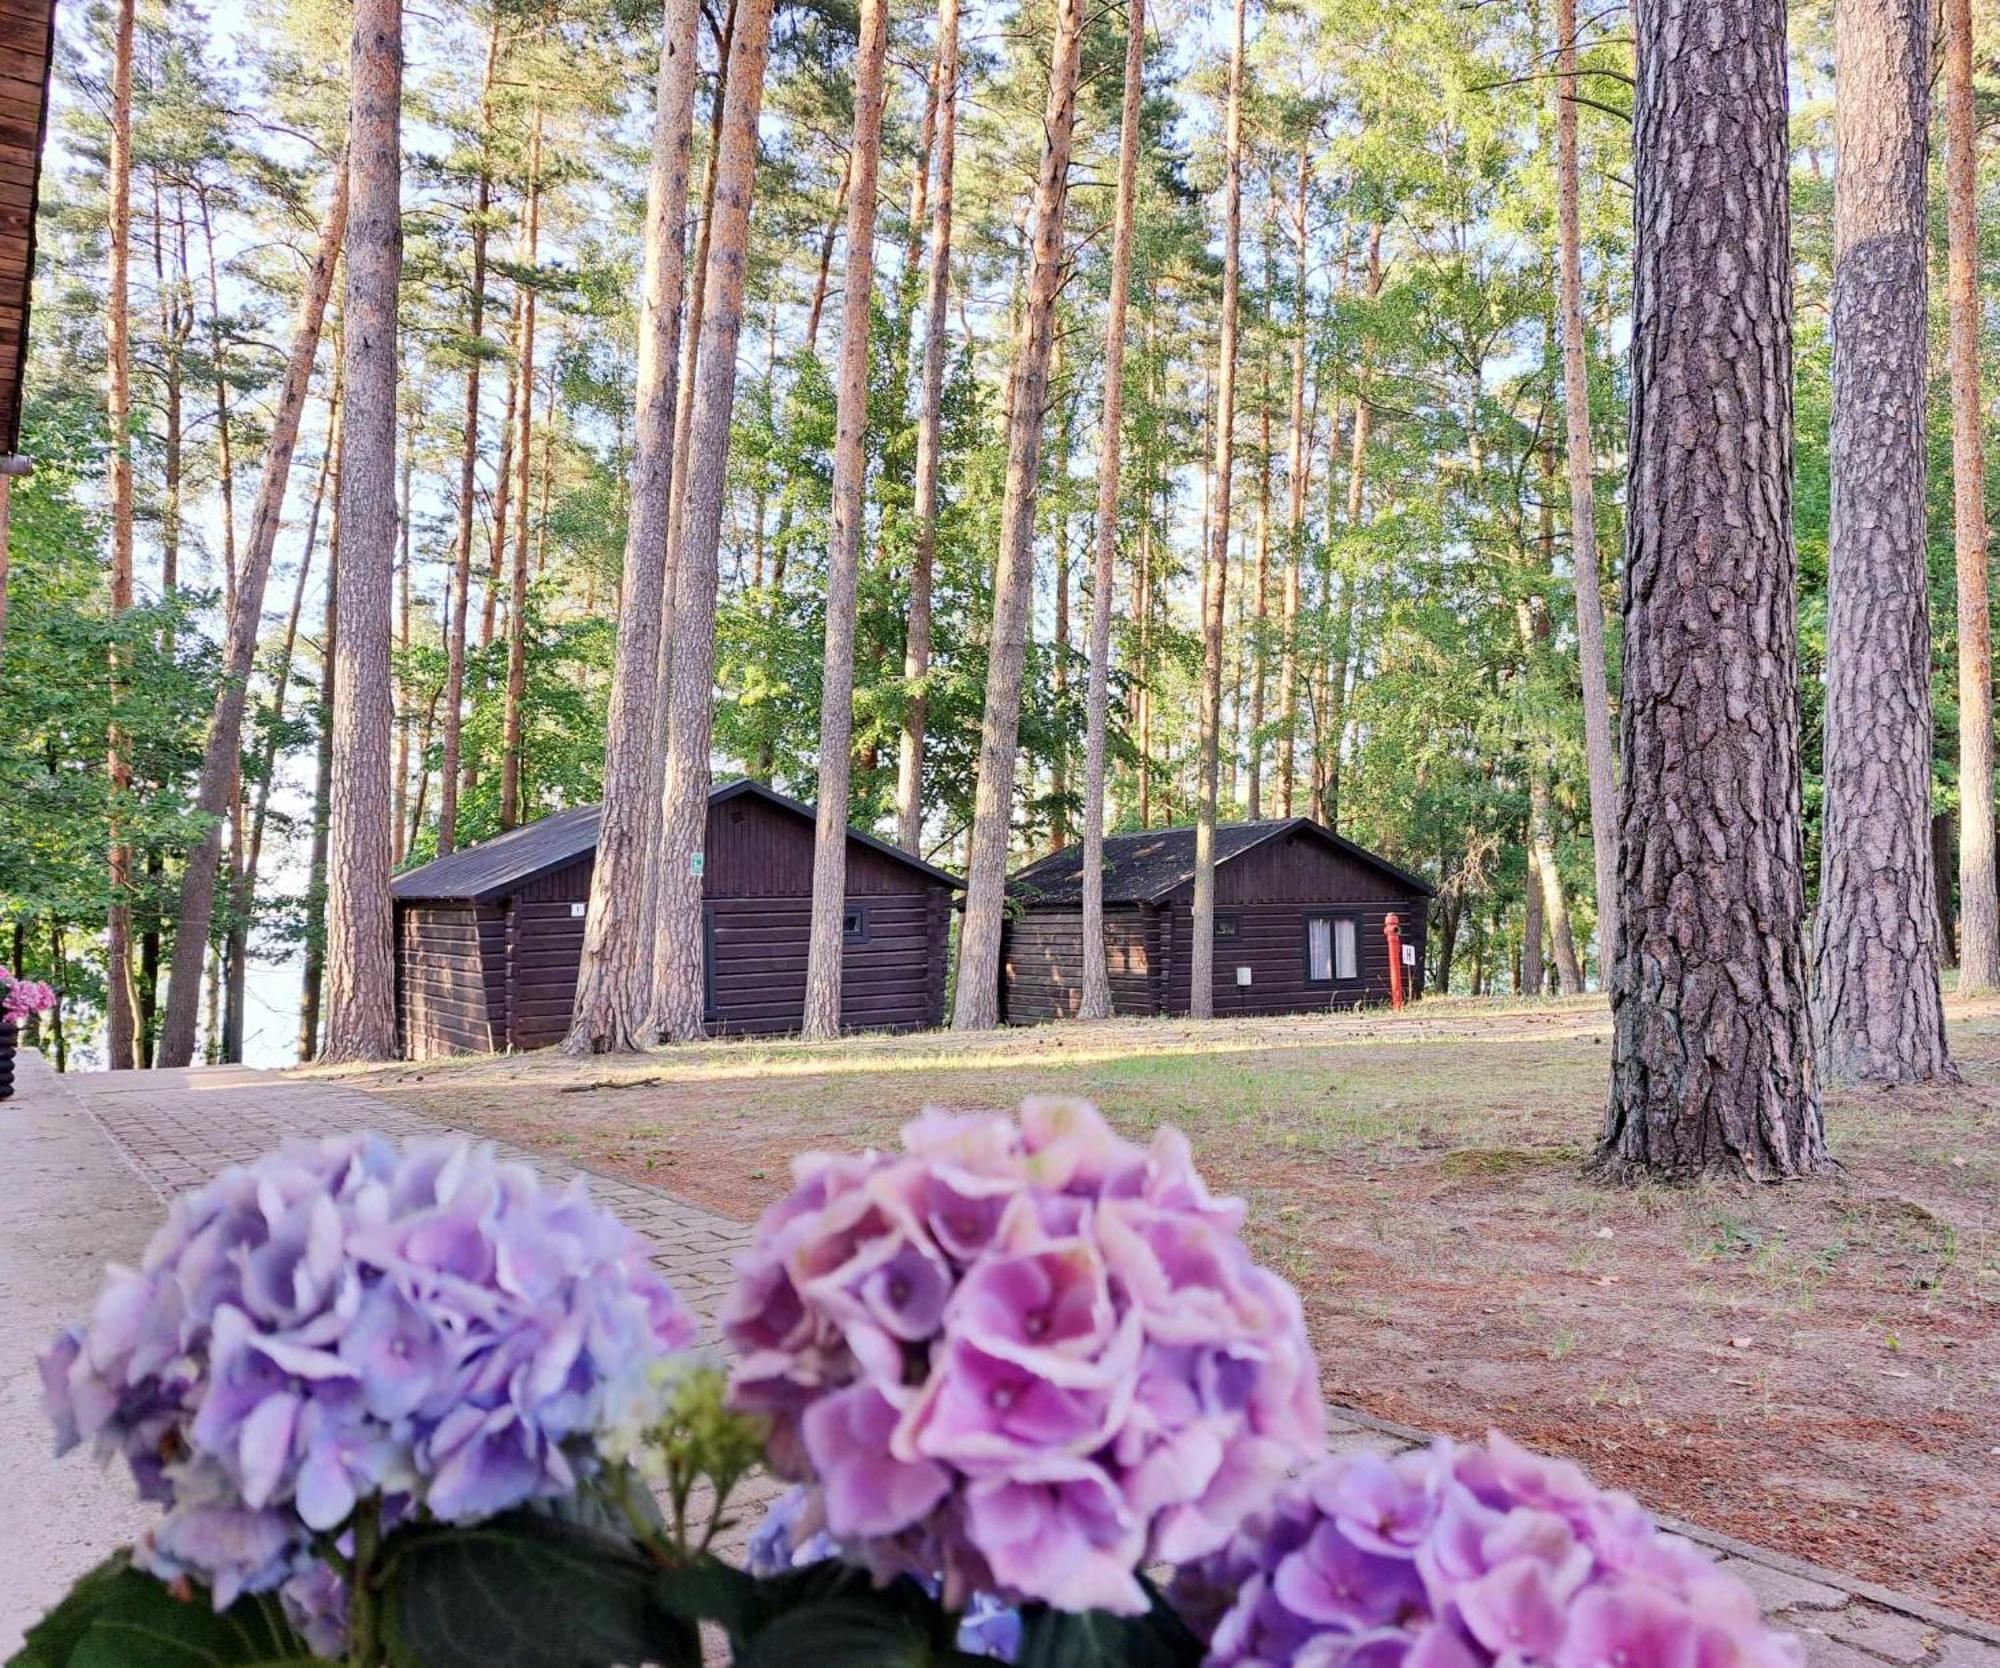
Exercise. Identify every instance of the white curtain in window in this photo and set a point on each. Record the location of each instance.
(1319, 949)
(1346, 950)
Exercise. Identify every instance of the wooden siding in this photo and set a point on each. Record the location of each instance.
(893, 979)
(1268, 892)
(1041, 963)
(441, 981)
(1271, 942)
(26, 41)
(760, 850)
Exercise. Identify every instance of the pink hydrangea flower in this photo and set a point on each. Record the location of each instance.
(1468, 1557)
(1028, 1356)
(21, 999)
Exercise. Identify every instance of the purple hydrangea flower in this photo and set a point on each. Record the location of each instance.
(1025, 1357)
(341, 1321)
(1468, 1557)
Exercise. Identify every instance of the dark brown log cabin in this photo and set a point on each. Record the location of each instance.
(1299, 924)
(488, 939)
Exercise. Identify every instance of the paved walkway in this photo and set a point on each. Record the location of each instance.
(96, 1153)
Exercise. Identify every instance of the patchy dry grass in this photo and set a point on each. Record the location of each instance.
(1816, 1368)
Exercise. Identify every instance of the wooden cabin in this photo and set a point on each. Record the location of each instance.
(1299, 924)
(27, 43)
(488, 939)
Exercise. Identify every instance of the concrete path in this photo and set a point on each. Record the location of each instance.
(98, 1152)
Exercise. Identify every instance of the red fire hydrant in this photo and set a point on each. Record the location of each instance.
(1392, 929)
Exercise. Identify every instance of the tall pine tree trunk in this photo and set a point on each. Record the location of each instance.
(468, 470)
(614, 984)
(1298, 463)
(1215, 578)
(850, 465)
(1591, 664)
(1978, 894)
(1096, 998)
(1877, 1009)
(1712, 1065)
(121, 1002)
(223, 750)
(976, 1004)
(930, 423)
(678, 959)
(360, 964)
(514, 697)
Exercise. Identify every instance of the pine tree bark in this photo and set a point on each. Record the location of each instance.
(1298, 464)
(1712, 1059)
(1592, 667)
(223, 750)
(614, 985)
(314, 982)
(976, 1004)
(1095, 1002)
(1215, 577)
(1878, 1011)
(121, 1002)
(449, 764)
(514, 696)
(930, 422)
(1545, 874)
(360, 964)
(678, 961)
(850, 465)
(1530, 975)
(1978, 892)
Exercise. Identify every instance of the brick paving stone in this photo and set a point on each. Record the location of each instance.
(1778, 1589)
(175, 1129)
(1880, 1632)
(1955, 1650)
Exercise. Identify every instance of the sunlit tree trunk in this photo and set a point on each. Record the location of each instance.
(614, 986)
(850, 465)
(1712, 1059)
(678, 962)
(930, 415)
(223, 749)
(1215, 577)
(1096, 998)
(976, 1005)
(1591, 664)
(468, 470)
(516, 693)
(121, 1003)
(1298, 464)
(1978, 895)
(1877, 1009)
(360, 966)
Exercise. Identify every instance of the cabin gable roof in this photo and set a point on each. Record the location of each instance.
(1149, 865)
(496, 867)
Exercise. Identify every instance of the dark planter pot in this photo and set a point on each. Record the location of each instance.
(10, 1038)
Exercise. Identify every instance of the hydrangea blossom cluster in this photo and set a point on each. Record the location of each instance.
(1031, 1357)
(22, 998)
(1465, 1557)
(342, 1321)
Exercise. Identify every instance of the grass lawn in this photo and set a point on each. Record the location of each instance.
(1815, 1368)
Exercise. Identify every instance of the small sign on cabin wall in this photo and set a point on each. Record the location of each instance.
(696, 862)
(576, 911)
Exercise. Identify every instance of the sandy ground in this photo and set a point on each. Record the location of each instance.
(70, 1205)
(1814, 1367)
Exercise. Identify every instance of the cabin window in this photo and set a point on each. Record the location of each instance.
(1228, 926)
(854, 926)
(1333, 949)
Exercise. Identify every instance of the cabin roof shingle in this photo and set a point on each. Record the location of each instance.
(1145, 866)
(495, 867)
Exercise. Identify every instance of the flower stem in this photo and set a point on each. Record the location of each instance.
(364, 1617)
